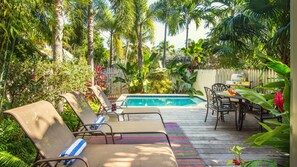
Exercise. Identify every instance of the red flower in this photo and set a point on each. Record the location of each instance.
(236, 162)
(279, 101)
(98, 69)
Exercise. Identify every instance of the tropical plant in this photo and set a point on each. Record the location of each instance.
(239, 161)
(195, 52)
(143, 27)
(159, 49)
(34, 80)
(136, 81)
(162, 13)
(279, 105)
(15, 149)
(183, 13)
(58, 31)
(275, 15)
(108, 21)
(182, 79)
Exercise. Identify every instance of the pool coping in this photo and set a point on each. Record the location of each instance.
(124, 96)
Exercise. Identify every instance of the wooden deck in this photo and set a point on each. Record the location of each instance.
(212, 145)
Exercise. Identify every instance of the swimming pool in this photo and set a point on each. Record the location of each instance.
(162, 100)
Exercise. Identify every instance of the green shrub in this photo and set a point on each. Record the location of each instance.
(15, 148)
(70, 118)
(33, 80)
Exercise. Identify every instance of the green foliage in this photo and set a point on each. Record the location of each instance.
(70, 118)
(35, 79)
(136, 80)
(159, 82)
(237, 151)
(194, 50)
(15, 148)
(182, 79)
(279, 136)
(9, 160)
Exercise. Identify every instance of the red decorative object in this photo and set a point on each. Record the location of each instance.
(113, 107)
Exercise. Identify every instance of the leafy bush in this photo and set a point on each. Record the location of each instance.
(278, 135)
(70, 119)
(32, 80)
(15, 148)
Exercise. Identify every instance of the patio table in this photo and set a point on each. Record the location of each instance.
(226, 94)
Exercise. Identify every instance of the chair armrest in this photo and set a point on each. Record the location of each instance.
(90, 131)
(83, 159)
(100, 124)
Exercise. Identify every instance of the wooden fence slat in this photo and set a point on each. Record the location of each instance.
(206, 77)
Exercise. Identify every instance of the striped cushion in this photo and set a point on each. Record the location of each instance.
(73, 150)
(99, 120)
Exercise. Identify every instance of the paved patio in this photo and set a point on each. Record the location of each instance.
(214, 145)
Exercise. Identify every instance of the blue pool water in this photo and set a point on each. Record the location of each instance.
(162, 101)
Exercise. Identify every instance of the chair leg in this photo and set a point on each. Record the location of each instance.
(218, 117)
(206, 114)
(261, 119)
(236, 120)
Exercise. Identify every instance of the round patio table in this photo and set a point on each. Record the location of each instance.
(241, 108)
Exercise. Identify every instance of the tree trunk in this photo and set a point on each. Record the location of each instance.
(139, 53)
(165, 38)
(58, 32)
(110, 50)
(187, 34)
(91, 38)
(127, 51)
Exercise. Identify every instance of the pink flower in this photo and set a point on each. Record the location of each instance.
(279, 101)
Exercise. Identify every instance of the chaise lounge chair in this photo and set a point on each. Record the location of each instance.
(50, 135)
(86, 115)
(106, 105)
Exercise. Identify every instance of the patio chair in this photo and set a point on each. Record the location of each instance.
(219, 87)
(106, 105)
(260, 113)
(86, 115)
(215, 103)
(50, 135)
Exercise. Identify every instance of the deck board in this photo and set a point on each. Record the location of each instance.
(212, 145)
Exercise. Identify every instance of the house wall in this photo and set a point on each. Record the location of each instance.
(293, 109)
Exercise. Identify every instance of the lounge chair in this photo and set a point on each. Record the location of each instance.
(50, 135)
(106, 105)
(82, 109)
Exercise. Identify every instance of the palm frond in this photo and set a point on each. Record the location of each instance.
(8, 160)
(263, 9)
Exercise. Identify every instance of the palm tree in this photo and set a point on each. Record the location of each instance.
(185, 11)
(118, 21)
(162, 11)
(143, 25)
(58, 31)
(276, 16)
(91, 15)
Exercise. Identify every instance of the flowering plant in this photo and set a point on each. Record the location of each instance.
(277, 136)
(100, 77)
(238, 161)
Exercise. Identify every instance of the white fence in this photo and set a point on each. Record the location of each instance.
(205, 78)
(114, 89)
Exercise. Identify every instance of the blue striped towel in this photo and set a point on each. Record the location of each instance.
(99, 120)
(73, 150)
